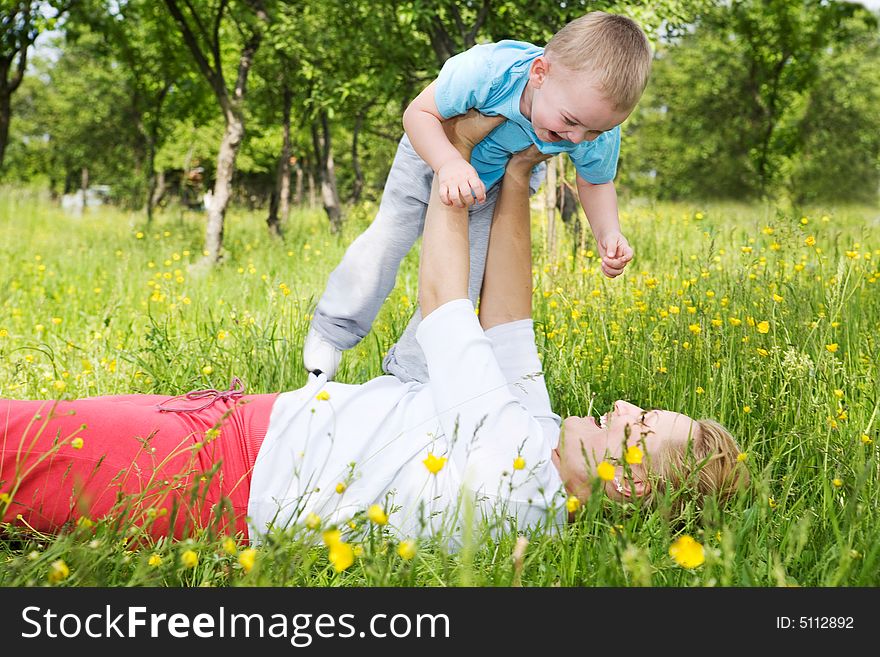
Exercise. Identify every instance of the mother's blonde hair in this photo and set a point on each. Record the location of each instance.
(708, 465)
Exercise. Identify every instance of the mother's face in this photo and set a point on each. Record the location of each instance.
(585, 442)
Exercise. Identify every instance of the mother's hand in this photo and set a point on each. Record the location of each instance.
(467, 130)
(523, 161)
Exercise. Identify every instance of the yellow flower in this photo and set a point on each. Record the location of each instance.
(763, 327)
(605, 471)
(634, 455)
(687, 552)
(406, 550)
(747, 409)
(810, 241)
(189, 559)
(831, 347)
(313, 521)
(572, 504)
(838, 393)
(358, 550)
(322, 396)
(694, 328)
(771, 502)
(377, 514)
(247, 558)
(519, 463)
(762, 352)
(777, 298)
(866, 439)
(734, 321)
(341, 556)
(59, 386)
(207, 370)
(229, 546)
(5, 499)
(742, 457)
(77, 443)
(340, 488)
(434, 463)
(837, 482)
(155, 560)
(332, 537)
(700, 390)
(58, 571)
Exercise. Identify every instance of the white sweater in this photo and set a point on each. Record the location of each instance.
(485, 405)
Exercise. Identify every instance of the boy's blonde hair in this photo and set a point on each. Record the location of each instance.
(710, 465)
(613, 48)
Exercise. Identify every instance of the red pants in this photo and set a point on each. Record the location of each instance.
(121, 458)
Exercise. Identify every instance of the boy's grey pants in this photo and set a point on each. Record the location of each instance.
(358, 287)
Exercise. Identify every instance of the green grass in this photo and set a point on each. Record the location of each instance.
(104, 304)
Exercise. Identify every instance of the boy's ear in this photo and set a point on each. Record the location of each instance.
(538, 70)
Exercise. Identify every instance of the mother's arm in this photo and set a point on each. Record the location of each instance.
(444, 265)
(506, 295)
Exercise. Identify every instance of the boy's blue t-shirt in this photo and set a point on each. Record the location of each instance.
(491, 78)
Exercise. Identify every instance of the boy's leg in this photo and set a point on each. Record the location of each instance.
(405, 360)
(363, 280)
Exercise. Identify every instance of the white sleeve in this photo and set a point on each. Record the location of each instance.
(486, 424)
(517, 355)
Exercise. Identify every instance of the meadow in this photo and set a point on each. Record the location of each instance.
(763, 317)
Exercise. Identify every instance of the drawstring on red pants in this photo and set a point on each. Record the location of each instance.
(235, 391)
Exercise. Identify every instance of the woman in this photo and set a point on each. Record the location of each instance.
(480, 432)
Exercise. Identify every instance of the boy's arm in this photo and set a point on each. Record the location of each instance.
(600, 204)
(458, 181)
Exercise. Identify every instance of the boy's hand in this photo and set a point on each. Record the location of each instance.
(616, 253)
(460, 184)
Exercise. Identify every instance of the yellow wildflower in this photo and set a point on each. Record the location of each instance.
(519, 463)
(58, 571)
(687, 552)
(77, 443)
(742, 457)
(247, 558)
(406, 550)
(763, 327)
(837, 482)
(605, 471)
(189, 559)
(634, 455)
(831, 347)
(377, 514)
(434, 463)
(340, 488)
(341, 556)
(332, 537)
(155, 560)
(572, 504)
(313, 521)
(694, 328)
(229, 546)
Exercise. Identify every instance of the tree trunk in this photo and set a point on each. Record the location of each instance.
(157, 192)
(280, 202)
(298, 188)
(326, 171)
(550, 208)
(358, 185)
(5, 116)
(84, 186)
(313, 199)
(229, 146)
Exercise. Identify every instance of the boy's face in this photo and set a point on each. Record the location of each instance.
(566, 105)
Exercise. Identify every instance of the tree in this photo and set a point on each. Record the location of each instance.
(20, 23)
(726, 112)
(206, 49)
